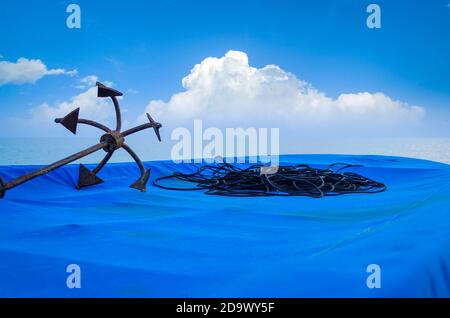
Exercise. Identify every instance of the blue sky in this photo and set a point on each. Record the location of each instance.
(147, 47)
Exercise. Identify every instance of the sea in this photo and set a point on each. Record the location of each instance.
(40, 151)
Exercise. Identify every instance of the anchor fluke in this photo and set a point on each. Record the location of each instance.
(87, 178)
(156, 126)
(70, 121)
(105, 91)
(141, 183)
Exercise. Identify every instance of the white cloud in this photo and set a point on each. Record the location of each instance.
(228, 92)
(27, 71)
(40, 119)
(91, 107)
(90, 81)
(87, 81)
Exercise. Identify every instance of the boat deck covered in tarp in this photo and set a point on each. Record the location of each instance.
(187, 244)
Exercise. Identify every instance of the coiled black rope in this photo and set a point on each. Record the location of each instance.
(298, 180)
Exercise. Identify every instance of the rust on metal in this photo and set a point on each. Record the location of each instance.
(110, 141)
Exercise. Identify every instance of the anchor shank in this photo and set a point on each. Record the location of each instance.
(22, 179)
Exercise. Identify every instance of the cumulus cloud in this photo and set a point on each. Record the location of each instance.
(27, 71)
(40, 118)
(228, 92)
(90, 107)
(88, 81)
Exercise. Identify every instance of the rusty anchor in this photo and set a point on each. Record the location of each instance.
(110, 141)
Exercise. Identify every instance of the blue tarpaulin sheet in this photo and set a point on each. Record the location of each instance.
(188, 244)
